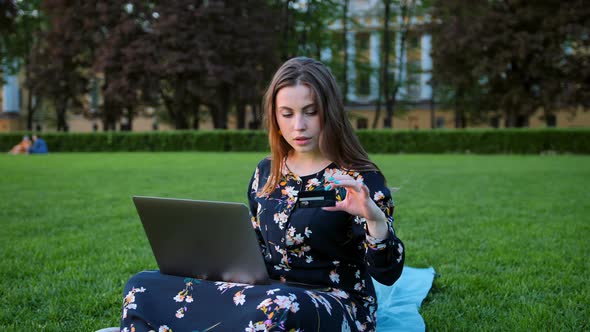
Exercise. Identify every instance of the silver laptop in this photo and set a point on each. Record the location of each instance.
(202, 239)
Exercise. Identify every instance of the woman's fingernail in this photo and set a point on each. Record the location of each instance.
(337, 182)
(331, 178)
(329, 187)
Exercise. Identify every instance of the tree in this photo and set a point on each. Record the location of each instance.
(59, 64)
(508, 56)
(8, 12)
(406, 8)
(239, 53)
(214, 54)
(573, 21)
(287, 43)
(302, 27)
(21, 25)
(451, 22)
(384, 77)
(345, 22)
(394, 75)
(256, 56)
(121, 54)
(178, 42)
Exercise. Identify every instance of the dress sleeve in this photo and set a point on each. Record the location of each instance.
(385, 258)
(254, 207)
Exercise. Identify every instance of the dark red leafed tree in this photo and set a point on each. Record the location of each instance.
(123, 53)
(242, 53)
(61, 62)
(512, 57)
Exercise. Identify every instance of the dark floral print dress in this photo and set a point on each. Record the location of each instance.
(330, 250)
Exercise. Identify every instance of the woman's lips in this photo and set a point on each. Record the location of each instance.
(302, 140)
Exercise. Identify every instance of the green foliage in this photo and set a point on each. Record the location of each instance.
(519, 141)
(510, 56)
(243, 140)
(477, 141)
(507, 235)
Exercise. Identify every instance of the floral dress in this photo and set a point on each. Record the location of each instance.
(330, 250)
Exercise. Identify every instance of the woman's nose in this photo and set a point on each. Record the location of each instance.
(299, 122)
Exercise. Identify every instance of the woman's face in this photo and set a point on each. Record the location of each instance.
(299, 119)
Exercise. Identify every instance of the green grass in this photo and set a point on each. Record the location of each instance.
(507, 235)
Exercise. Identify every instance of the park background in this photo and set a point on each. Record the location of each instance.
(501, 214)
(151, 65)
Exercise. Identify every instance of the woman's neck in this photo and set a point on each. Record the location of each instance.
(302, 164)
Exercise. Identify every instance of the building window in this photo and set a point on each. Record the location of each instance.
(362, 123)
(440, 122)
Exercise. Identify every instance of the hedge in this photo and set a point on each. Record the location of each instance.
(517, 141)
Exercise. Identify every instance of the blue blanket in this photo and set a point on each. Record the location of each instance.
(398, 304)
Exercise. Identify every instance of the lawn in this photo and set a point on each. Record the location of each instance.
(507, 235)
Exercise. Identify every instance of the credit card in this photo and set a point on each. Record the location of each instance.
(316, 198)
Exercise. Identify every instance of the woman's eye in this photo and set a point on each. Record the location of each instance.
(287, 115)
(311, 112)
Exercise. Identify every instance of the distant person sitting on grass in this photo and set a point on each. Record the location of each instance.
(22, 147)
(39, 146)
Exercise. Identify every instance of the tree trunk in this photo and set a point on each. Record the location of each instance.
(390, 102)
(432, 109)
(345, 46)
(224, 102)
(110, 113)
(459, 112)
(112, 110)
(60, 109)
(256, 115)
(168, 103)
(178, 105)
(30, 107)
(180, 122)
(130, 112)
(386, 50)
(460, 120)
(306, 28)
(285, 27)
(383, 72)
(214, 110)
(377, 109)
(196, 118)
(241, 114)
(510, 118)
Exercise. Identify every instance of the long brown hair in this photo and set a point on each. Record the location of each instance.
(337, 140)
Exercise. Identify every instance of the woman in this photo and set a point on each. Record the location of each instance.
(22, 147)
(334, 250)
